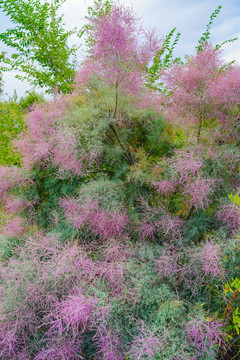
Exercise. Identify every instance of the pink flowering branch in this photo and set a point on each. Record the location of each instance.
(205, 336)
(106, 225)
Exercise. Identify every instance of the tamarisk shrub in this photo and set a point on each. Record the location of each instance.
(119, 231)
(204, 94)
(48, 143)
(230, 214)
(193, 181)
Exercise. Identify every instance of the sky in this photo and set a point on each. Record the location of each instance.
(190, 17)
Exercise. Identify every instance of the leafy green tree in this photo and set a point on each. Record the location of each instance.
(12, 124)
(31, 98)
(40, 44)
(12, 113)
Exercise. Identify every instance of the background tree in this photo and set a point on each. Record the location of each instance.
(12, 113)
(40, 44)
(1, 81)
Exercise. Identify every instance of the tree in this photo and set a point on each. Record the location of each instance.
(204, 94)
(120, 49)
(40, 42)
(12, 123)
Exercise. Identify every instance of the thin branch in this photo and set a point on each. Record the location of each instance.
(121, 144)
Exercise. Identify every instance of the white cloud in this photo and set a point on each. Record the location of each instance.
(11, 84)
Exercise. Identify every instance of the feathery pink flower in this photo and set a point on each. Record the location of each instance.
(10, 177)
(209, 258)
(147, 230)
(106, 225)
(73, 313)
(120, 49)
(109, 344)
(164, 187)
(167, 265)
(230, 214)
(145, 345)
(171, 226)
(14, 227)
(204, 336)
(197, 192)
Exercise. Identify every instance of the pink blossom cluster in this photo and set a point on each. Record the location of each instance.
(34, 145)
(120, 49)
(187, 163)
(231, 161)
(203, 91)
(99, 222)
(197, 193)
(14, 227)
(204, 336)
(109, 344)
(185, 176)
(61, 349)
(210, 259)
(225, 94)
(73, 313)
(48, 143)
(13, 204)
(189, 84)
(168, 264)
(164, 187)
(66, 156)
(191, 266)
(230, 214)
(53, 283)
(10, 177)
(171, 226)
(147, 229)
(146, 344)
(168, 225)
(206, 261)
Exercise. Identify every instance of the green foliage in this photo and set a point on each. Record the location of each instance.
(110, 194)
(2, 55)
(163, 59)
(198, 225)
(30, 99)
(12, 115)
(8, 247)
(206, 35)
(45, 192)
(40, 42)
(12, 124)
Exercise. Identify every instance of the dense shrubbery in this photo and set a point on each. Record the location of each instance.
(12, 114)
(120, 235)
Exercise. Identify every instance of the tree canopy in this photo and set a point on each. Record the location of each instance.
(40, 44)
